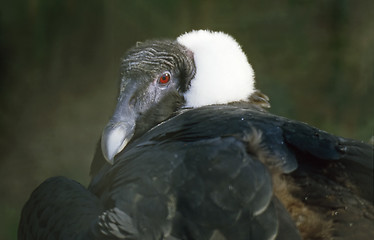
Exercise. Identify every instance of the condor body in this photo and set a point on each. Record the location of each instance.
(190, 153)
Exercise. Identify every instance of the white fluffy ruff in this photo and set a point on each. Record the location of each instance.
(223, 73)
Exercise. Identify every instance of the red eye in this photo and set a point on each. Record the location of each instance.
(165, 78)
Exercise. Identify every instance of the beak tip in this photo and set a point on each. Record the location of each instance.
(113, 140)
(107, 153)
(109, 157)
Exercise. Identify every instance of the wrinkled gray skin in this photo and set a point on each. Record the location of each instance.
(146, 102)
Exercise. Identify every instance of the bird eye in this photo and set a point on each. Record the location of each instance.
(164, 78)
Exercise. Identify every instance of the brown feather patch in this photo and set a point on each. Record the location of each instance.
(312, 224)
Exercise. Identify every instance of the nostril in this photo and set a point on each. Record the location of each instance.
(132, 101)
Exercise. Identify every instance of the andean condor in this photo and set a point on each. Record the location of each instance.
(192, 154)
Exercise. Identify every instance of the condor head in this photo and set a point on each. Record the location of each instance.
(159, 77)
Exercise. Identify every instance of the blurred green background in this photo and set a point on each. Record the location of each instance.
(59, 68)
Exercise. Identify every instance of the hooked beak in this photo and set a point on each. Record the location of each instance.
(119, 131)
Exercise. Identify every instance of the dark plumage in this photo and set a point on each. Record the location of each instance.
(222, 171)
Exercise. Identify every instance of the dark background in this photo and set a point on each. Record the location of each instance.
(59, 68)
